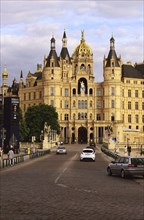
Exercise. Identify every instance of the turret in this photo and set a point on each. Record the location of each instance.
(5, 77)
(4, 87)
(52, 59)
(112, 64)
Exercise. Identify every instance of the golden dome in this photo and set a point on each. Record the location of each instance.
(5, 72)
(83, 48)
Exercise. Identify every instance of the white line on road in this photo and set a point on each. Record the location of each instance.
(59, 176)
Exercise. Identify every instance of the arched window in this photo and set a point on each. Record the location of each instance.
(90, 104)
(82, 67)
(89, 68)
(74, 91)
(74, 103)
(76, 68)
(90, 91)
(78, 116)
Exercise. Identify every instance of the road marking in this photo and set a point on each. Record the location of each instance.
(62, 185)
(59, 176)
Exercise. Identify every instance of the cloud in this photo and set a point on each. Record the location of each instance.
(27, 27)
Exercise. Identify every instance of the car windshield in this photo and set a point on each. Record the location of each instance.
(137, 161)
(88, 151)
(61, 147)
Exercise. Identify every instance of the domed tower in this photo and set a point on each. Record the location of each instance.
(83, 59)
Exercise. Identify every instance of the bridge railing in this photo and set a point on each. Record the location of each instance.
(5, 162)
(109, 153)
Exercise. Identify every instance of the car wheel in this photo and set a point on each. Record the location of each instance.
(122, 174)
(109, 171)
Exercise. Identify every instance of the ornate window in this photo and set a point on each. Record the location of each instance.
(66, 104)
(52, 91)
(82, 67)
(112, 103)
(66, 92)
(66, 117)
(90, 91)
(74, 91)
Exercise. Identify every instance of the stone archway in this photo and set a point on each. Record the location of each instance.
(82, 135)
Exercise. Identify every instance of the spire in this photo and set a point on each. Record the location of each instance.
(21, 75)
(112, 42)
(112, 56)
(52, 55)
(52, 43)
(64, 52)
(82, 37)
(64, 40)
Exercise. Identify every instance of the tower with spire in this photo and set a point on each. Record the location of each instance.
(112, 64)
(112, 84)
(4, 87)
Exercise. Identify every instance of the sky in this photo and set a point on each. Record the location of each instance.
(28, 26)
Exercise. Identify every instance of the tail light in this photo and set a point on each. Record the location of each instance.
(132, 165)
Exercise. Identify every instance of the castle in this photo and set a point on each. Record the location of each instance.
(87, 110)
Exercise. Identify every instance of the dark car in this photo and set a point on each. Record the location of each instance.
(91, 147)
(92, 144)
(127, 166)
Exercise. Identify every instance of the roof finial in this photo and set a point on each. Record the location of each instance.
(82, 37)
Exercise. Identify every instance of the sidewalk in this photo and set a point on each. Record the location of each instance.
(134, 152)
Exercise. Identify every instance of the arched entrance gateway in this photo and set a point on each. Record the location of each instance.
(82, 135)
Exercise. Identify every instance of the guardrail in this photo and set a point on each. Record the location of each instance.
(23, 157)
(109, 153)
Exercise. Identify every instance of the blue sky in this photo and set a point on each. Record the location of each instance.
(27, 27)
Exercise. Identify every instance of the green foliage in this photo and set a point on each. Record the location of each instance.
(36, 116)
(24, 131)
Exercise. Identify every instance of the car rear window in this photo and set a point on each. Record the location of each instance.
(88, 151)
(137, 161)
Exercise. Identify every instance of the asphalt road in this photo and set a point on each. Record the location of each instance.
(60, 187)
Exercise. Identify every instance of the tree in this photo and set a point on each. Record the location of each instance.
(23, 129)
(36, 116)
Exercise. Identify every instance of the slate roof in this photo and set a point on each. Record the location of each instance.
(112, 55)
(130, 71)
(64, 53)
(38, 75)
(54, 55)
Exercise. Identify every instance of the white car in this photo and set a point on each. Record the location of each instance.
(87, 153)
(61, 150)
